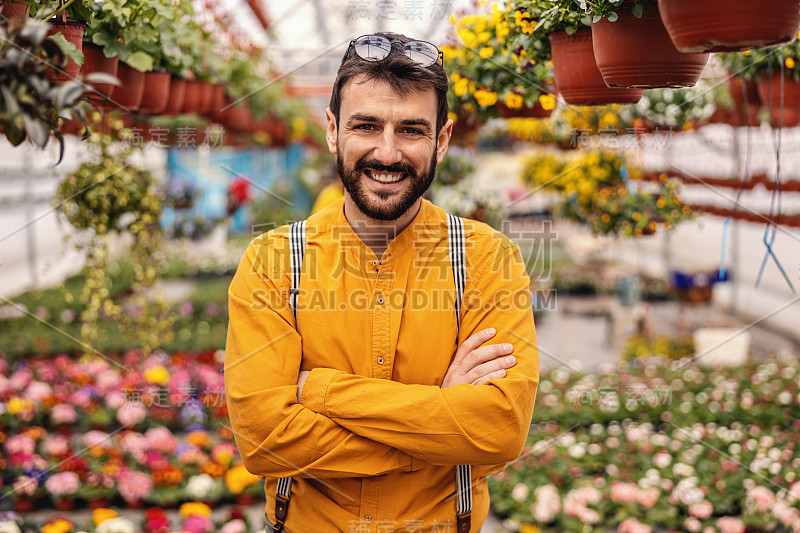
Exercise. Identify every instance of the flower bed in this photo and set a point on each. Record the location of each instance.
(670, 447)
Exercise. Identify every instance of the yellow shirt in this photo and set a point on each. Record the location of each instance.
(373, 443)
(328, 195)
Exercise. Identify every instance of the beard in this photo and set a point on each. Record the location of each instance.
(392, 205)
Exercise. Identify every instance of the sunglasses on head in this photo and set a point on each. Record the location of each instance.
(378, 48)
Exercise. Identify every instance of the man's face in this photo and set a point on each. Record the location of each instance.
(386, 146)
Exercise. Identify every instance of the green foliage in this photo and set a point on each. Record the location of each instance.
(555, 15)
(611, 8)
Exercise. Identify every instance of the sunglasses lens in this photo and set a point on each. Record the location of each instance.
(373, 47)
(423, 53)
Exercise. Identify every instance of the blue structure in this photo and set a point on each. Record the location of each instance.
(209, 172)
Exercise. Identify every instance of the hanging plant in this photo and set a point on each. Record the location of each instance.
(32, 104)
(102, 198)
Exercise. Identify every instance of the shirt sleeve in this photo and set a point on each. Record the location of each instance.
(276, 436)
(465, 424)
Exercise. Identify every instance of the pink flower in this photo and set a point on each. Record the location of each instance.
(692, 525)
(63, 413)
(701, 510)
(108, 380)
(234, 526)
(56, 446)
(624, 492)
(161, 439)
(662, 460)
(20, 444)
(131, 414)
(197, 524)
(96, 438)
(134, 486)
(25, 485)
(63, 484)
(38, 391)
(762, 498)
(20, 379)
(631, 525)
(547, 505)
(729, 524)
(648, 497)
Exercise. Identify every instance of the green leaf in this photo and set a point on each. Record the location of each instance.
(612, 17)
(36, 130)
(637, 9)
(67, 48)
(102, 77)
(140, 61)
(597, 18)
(14, 134)
(69, 93)
(12, 106)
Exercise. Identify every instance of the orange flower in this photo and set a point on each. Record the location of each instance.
(102, 514)
(198, 438)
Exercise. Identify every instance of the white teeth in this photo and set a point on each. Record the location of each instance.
(385, 178)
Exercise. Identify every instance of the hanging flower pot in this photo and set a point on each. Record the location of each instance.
(191, 97)
(94, 60)
(637, 52)
(465, 129)
(784, 117)
(128, 95)
(206, 93)
(735, 85)
(576, 74)
(72, 30)
(275, 128)
(64, 504)
(24, 504)
(217, 100)
(156, 93)
(13, 10)
(177, 92)
(769, 90)
(729, 25)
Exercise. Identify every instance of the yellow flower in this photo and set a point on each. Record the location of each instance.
(548, 101)
(661, 202)
(452, 116)
(485, 98)
(238, 477)
(514, 101)
(502, 31)
(57, 526)
(789, 62)
(487, 52)
(195, 508)
(102, 514)
(636, 216)
(158, 375)
(15, 405)
(528, 528)
(461, 86)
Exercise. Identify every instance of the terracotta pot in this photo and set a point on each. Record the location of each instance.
(94, 60)
(577, 76)
(769, 90)
(13, 10)
(786, 117)
(245, 500)
(138, 504)
(72, 127)
(217, 100)
(204, 103)
(750, 90)
(24, 504)
(64, 504)
(156, 93)
(729, 25)
(177, 92)
(72, 30)
(238, 118)
(275, 128)
(191, 97)
(637, 52)
(129, 94)
(537, 111)
(465, 129)
(97, 503)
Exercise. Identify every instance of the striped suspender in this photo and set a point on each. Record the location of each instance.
(297, 248)
(455, 237)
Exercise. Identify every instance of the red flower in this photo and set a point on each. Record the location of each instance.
(154, 514)
(238, 193)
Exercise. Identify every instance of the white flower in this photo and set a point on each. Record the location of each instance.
(200, 486)
(519, 492)
(9, 526)
(119, 524)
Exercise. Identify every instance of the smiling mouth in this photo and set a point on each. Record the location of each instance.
(384, 177)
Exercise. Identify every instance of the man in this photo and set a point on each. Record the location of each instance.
(375, 392)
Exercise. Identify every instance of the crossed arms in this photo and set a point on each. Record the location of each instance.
(334, 432)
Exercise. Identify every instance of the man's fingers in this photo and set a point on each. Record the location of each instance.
(474, 342)
(496, 368)
(488, 377)
(487, 353)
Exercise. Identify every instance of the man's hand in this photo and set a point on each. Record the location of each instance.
(478, 365)
(301, 380)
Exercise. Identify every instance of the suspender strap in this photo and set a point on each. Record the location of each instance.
(297, 248)
(456, 241)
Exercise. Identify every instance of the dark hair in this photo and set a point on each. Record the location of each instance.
(399, 71)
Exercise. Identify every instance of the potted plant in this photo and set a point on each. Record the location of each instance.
(499, 68)
(677, 108)
(633, 48)
(577, 77)
(729, 25)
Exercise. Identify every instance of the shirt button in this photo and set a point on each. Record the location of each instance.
(380, 360)
(368, 517)
(380, 300)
